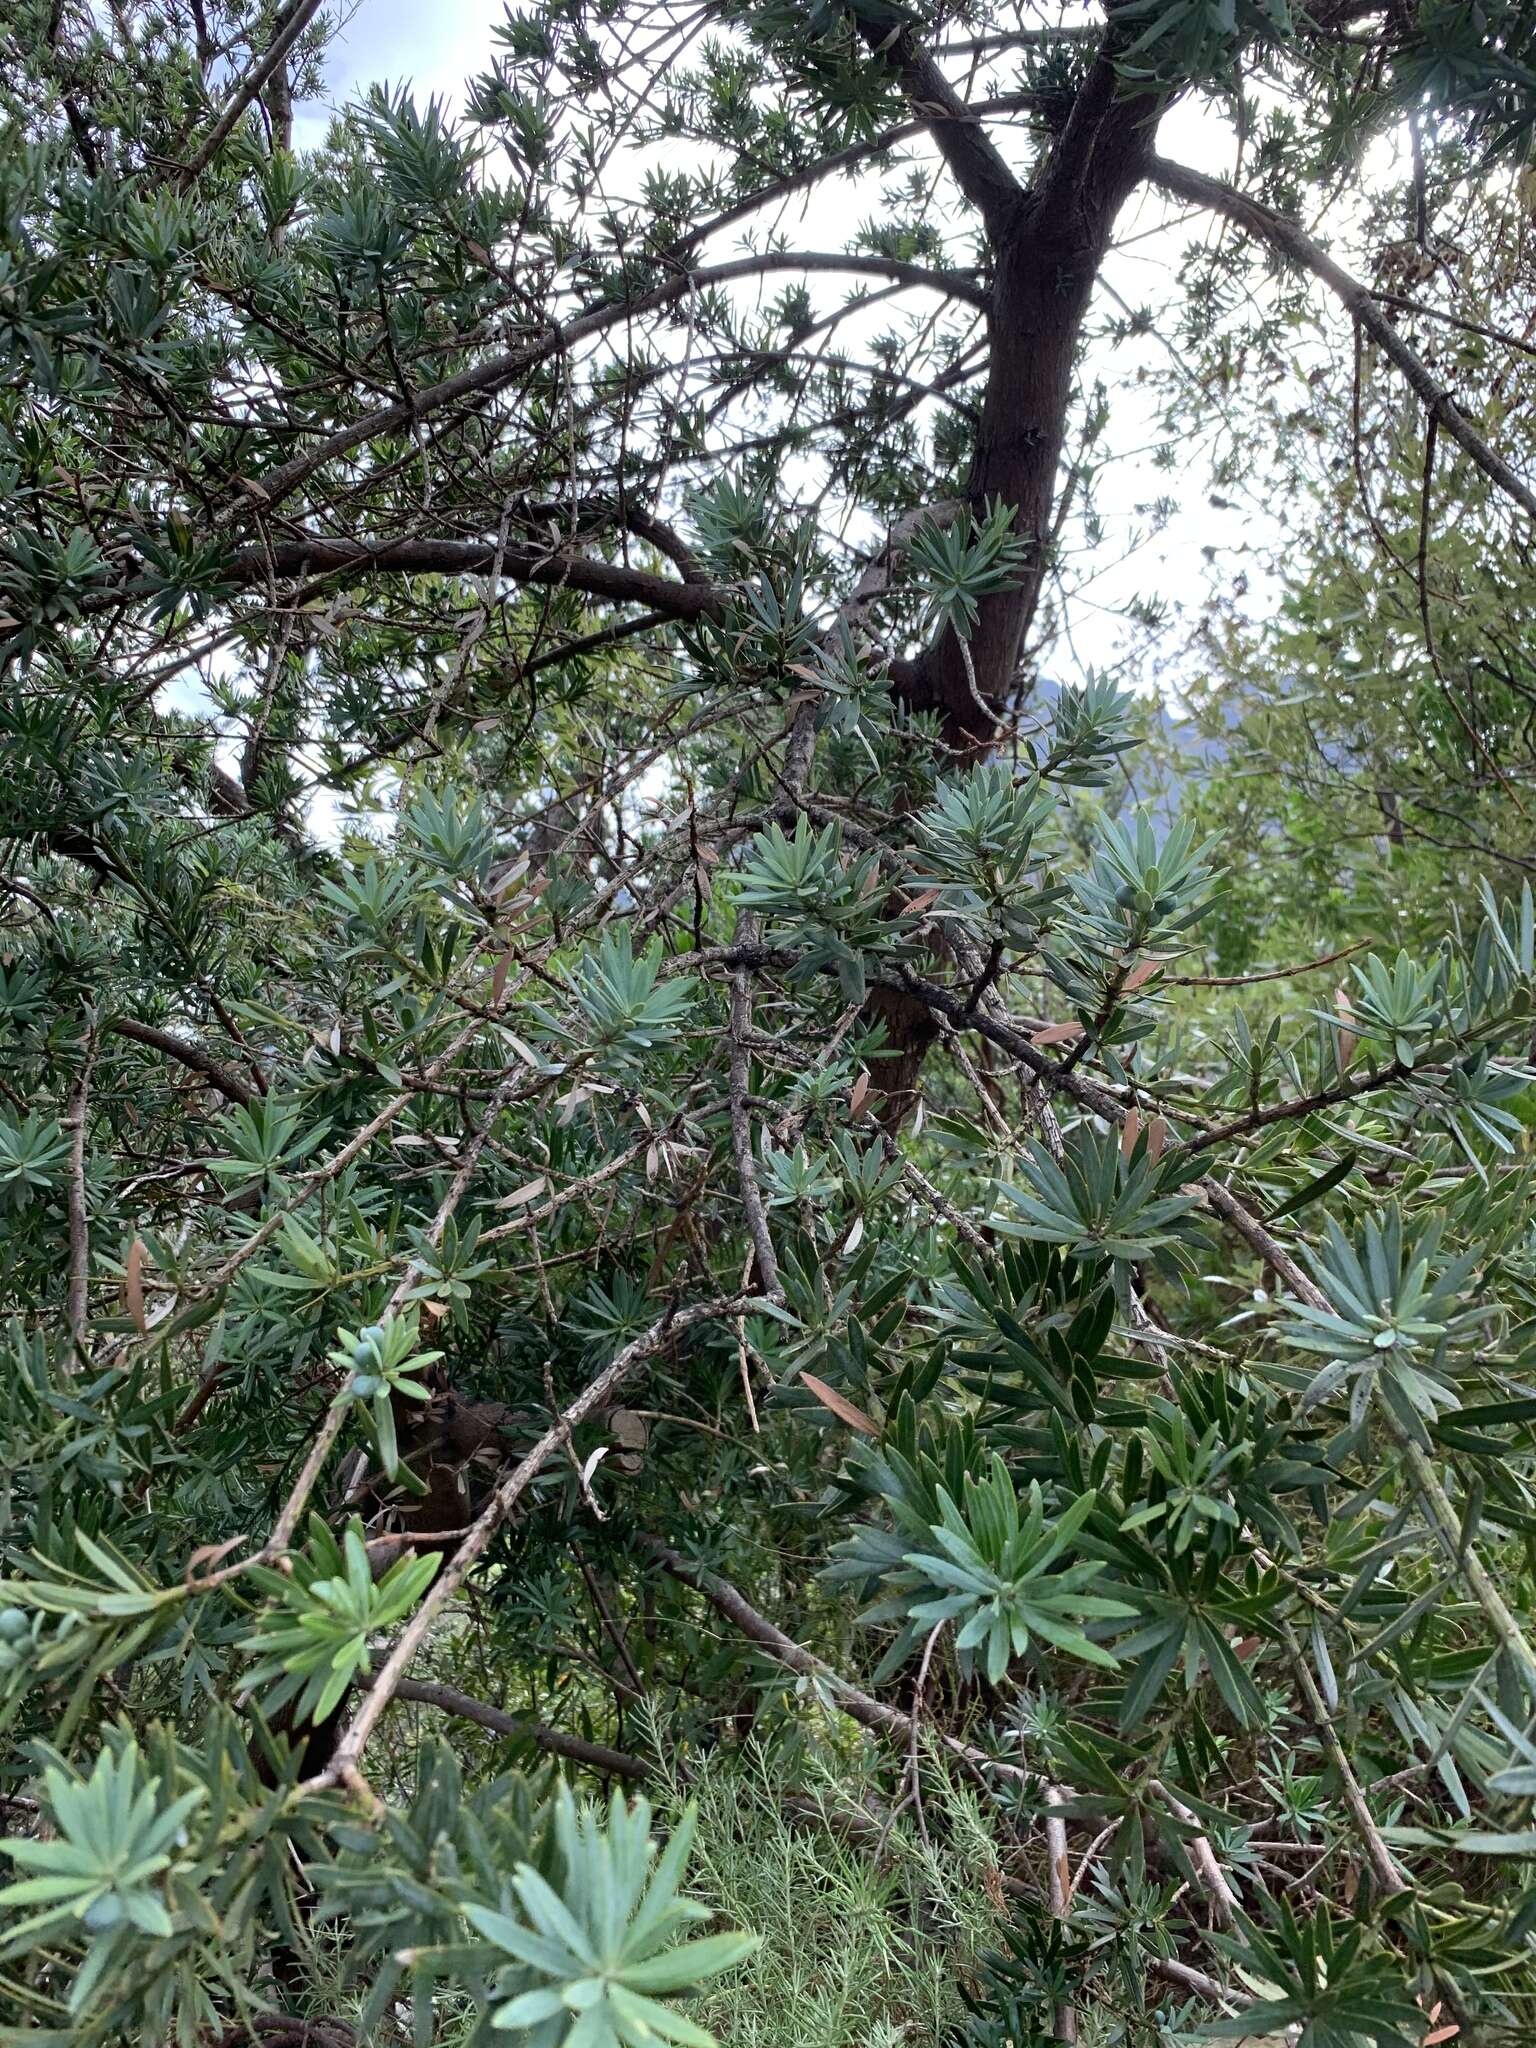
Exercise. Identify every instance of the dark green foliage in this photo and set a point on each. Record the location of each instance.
(683, 1258)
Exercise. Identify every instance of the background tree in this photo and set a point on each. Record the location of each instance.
(616, 1125)
(1377, 715)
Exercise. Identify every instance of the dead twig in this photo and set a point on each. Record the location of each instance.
(73, 1122)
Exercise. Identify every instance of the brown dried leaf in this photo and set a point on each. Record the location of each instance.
(859, 1095)
(1142, 972)
(209, 1554)
(843, 1410)
(1057, 1034)
(1130, 1132)
(1157, 1138)
(133, 1284)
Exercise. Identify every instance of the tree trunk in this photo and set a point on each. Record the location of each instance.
(1047, 255)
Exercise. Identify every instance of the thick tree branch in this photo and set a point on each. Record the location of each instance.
(229, 1084)
(1298, 1106)
(288, 30)
(848, 159)
(496, 372)
(1384, 1869)
(1291, 240)
(686, 600)
(522, 563)
(1047, 258)
(978, 167)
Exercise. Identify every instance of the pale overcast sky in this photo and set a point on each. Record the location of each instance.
(437, 45)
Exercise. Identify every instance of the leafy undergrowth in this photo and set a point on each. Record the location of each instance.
(867, 1933)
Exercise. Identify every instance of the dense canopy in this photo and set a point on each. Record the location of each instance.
(740, 1302)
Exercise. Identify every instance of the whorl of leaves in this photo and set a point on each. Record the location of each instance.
(625, 1134)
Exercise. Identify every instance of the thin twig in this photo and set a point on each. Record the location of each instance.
(741, 1122)
(1059, 1876)
(1389, 1878)
(1224, 1901)
(503, 1500)
(73, 1121)
(613, 1763)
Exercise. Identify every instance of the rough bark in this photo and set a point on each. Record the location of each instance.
(1048, 245)
(1047, 252)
